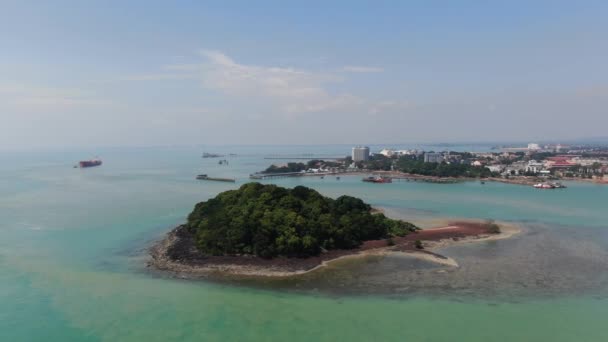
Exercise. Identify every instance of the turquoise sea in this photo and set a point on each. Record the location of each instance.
(73, 258)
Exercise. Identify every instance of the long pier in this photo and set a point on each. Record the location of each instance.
(427, 180)
(290, 174)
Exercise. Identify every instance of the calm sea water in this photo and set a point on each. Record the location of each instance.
(72, 258)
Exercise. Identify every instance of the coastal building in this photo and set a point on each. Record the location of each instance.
(317, 170)
(586, 161)
(360, 153)
(496, 168)
(432, 157)
(408, 152)
(533, 147)
(453, 158)
(534, 166)
(516, 168)
(561, 162)
(485, 155)
(387, 152)
(352, 167)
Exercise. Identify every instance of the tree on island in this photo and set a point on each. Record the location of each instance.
(299, 167)
(290, 167)
(376, 162)
(443, 169)
(416, 165)
(269, 221)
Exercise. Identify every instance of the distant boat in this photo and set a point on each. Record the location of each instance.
(212, 155)
(338, 178)
(89, 163)
(377, 179)
(552, 185)
(543, 186)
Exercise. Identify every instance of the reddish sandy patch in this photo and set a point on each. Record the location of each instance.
(456, 230)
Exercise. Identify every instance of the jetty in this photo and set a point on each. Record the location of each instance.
(217, 179)
(212, 155)
(409, 177)
(427, 179)
(289, 174)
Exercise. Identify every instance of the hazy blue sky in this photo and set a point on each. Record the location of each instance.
(87, 73)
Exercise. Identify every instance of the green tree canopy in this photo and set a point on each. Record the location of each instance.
(419, 167)
(268, 221)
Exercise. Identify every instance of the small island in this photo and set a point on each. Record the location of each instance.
(269, 230)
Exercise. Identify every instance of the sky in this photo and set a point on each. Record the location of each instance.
(142, 73)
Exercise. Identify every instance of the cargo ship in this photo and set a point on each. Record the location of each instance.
(377, 179)
(89, 163)
(218, 179)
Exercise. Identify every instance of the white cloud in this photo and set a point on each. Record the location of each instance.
(156, 77)
(362, 69)
(275, 90)
(289, 90)
(172, 72)
(385, 106)
(336, 103)
(28, 97)
(183, 67)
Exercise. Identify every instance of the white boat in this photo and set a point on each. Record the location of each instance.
(554, 185)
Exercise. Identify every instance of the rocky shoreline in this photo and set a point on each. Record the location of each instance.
(177, 253)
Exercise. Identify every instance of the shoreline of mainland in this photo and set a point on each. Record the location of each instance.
(517, 180)
(177, 254)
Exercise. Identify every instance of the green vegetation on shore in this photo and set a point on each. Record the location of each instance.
(298, 167)
(416, 165)
(290, 167)
(269, 221)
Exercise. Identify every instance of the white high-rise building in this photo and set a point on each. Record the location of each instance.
(360, 153)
